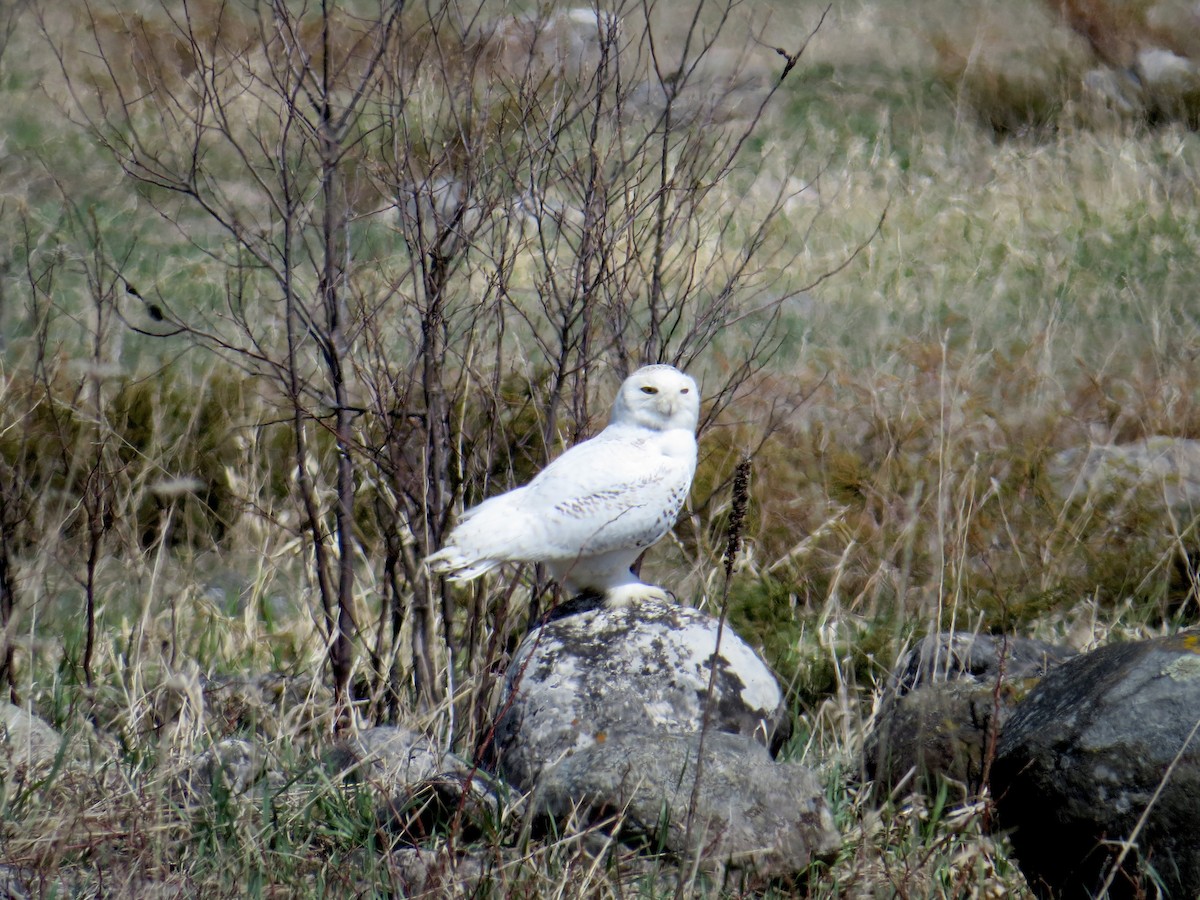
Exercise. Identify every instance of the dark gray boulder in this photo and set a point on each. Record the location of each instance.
(945, 704)
(1103, 741)
(596, 670)
(751, 812)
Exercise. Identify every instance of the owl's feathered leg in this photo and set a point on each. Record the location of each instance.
(608, 574)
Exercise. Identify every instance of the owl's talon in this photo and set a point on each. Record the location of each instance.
(627, 594)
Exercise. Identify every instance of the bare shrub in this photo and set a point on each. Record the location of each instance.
(433, 239)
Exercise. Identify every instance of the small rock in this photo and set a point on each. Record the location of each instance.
(936, 717)
(425, 788)
(25, 740)
(1162, 471)
(394, 757)
(643, 668)
(270, 704)
(751, 812)
(438, 872)
(234, 765)
(1101, 739)
(469, 806)
(15, 882)
(1170, 82)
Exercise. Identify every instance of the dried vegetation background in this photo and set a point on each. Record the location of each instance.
(279, 294)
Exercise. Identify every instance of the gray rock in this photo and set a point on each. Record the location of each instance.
(598, 670)
(393, 757)
(228, 769)
(936, 718)
(977, 658)
(751, 812)
(1101, 740)
(1168, 78)
(1160, 471)
(470, 806)
(14, 883)
(25, 740)
(233, 765)
(425, 788)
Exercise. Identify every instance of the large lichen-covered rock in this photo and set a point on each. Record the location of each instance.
(945, 704)
(751, 812)
(595, 671)
(1102, 741)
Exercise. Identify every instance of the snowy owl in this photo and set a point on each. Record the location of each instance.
(590, 513)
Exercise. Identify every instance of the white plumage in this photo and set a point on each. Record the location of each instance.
(593, 510)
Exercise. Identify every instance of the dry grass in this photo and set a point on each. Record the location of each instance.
(1027, 293)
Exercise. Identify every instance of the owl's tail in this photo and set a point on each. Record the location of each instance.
(458, 565)
(479, 543)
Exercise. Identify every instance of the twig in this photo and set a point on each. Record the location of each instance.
(737, 518)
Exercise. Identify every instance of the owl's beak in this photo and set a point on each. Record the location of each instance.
(668, 405)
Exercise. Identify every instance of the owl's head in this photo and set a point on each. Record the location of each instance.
(658, 398)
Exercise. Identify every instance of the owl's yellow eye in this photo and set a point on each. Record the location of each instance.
(649, 390)
(684, 390)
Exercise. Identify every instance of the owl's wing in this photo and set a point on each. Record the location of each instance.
(604, 495)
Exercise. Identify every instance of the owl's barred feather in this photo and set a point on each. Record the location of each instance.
(591, 512)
